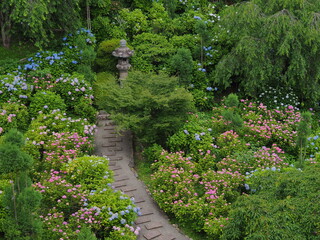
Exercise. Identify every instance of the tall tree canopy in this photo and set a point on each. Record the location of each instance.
(273, 42)
(37, 19)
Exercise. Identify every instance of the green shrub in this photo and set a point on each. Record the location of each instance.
(86, 234)
(152, 52)
(84, 109)
(134, 22)
(45, 102)
(152, 153)
(231, 100)
(152, 106)
(182, 64)
(90, 171)
(105, 62)
(13, 115)
(284, 206)
(12, 159)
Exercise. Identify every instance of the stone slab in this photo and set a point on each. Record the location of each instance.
(107, 144)
(114, 148)
(108, 154)
(139, 200)
(153, 225)
(116, 140)
(116, 158)
(142, 220)
(121, 179)
(152, 234)
(110, 135)
(129, 194)
(112, 163)
(119, 184)
(166, 237)
(146, 212)
(108, 123)
(128, 189)
(114, 168)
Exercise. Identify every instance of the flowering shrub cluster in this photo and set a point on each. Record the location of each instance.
(47, 126)
(192, 195)
(279, 98)
(40, 97)
(200, 184)
(14, 88)
(58, 63)
(267, 126)
(13, 115)
(48, 82)
(81, 196)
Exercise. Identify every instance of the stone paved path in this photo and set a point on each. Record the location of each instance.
(153, 222)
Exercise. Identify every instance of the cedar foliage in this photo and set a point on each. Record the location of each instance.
(273, 43)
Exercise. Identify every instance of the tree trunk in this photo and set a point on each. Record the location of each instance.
(5, 35)
(88, 15)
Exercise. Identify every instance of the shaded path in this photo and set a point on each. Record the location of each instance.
(153, 222)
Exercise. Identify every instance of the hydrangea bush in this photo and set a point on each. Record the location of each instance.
(199, 184)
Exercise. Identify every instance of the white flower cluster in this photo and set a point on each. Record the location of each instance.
(279, 97)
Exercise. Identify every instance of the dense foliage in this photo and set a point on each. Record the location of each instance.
(51, 188)
(211, 159)
(245, 167)
(152, 106)
(284, 205)
(273, 43)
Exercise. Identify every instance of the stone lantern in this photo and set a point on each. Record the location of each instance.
(123, 53)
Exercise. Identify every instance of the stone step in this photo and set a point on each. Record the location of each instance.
(114, 168)
(119, 184)
(115, 158)
(109, 154)
(108, 144)
(139, 200)
(142, 220)
(149, 235)
(130, 194)
(128, 189)
(110, 135)
(146, 212)
(121, 178)
(153, 225)
(112, 163)
(115, 148)
(166, 237)
(116, 140)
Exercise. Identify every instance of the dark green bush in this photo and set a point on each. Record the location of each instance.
(284, 206)
(152, 106)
